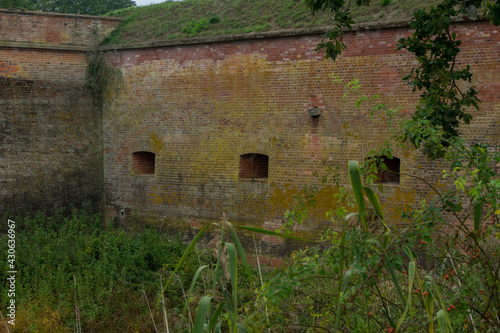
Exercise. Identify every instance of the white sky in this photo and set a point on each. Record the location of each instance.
(149, 2)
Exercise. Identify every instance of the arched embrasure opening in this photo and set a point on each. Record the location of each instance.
(254, 166)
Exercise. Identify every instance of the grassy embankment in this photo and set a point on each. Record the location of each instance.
(196, 18)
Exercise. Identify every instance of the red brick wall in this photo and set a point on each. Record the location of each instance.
(200, 107)
(54, 29)
(50, 130)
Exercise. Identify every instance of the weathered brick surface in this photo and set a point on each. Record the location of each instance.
(39, 29)
(50, 130)
(200, 107)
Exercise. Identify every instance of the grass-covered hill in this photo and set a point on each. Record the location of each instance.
(195, 18)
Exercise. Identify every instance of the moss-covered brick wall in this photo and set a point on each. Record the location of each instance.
(198, 105)
(50, 130)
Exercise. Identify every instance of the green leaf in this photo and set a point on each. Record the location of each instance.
(358, 103)
(376, 205)
(269, 232)
(429, 307)
(215, 316)
(342, 242)
(193, 282)
(183, 258)
(394, 278)
(441, 318)
(358, 191)
(241, 251)
(411, 275)
(233, 271)
(201, 314)
(345, 282)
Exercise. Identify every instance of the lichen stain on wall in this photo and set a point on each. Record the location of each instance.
(156, 142)
(395, 202)
(203, 123)
(200, 107)
(282, 198)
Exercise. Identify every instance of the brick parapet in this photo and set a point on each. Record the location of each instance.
(60, 15)
(24, 29)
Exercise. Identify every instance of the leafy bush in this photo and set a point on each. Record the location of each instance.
(214, 19)
(434, 276)
(194, 27)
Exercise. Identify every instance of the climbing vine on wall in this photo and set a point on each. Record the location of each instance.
(101, 76)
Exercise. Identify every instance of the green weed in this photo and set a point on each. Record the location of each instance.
(111, 268)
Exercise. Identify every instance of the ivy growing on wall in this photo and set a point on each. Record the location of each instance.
(101, 76)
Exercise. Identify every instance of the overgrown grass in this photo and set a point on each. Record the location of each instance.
(190, 18)
(422, 278)
(111, 269)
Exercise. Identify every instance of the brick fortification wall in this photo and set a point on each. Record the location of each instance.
(55, 31)
(205, 129)
(50, 130)
(198, 108)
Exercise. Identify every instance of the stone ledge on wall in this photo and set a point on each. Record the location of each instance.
(41, 46)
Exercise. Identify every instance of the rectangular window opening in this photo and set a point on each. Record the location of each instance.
(391, 173)
(143, 163)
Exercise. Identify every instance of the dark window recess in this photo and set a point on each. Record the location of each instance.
(254, 166)
(391, 175)
(143, 163)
